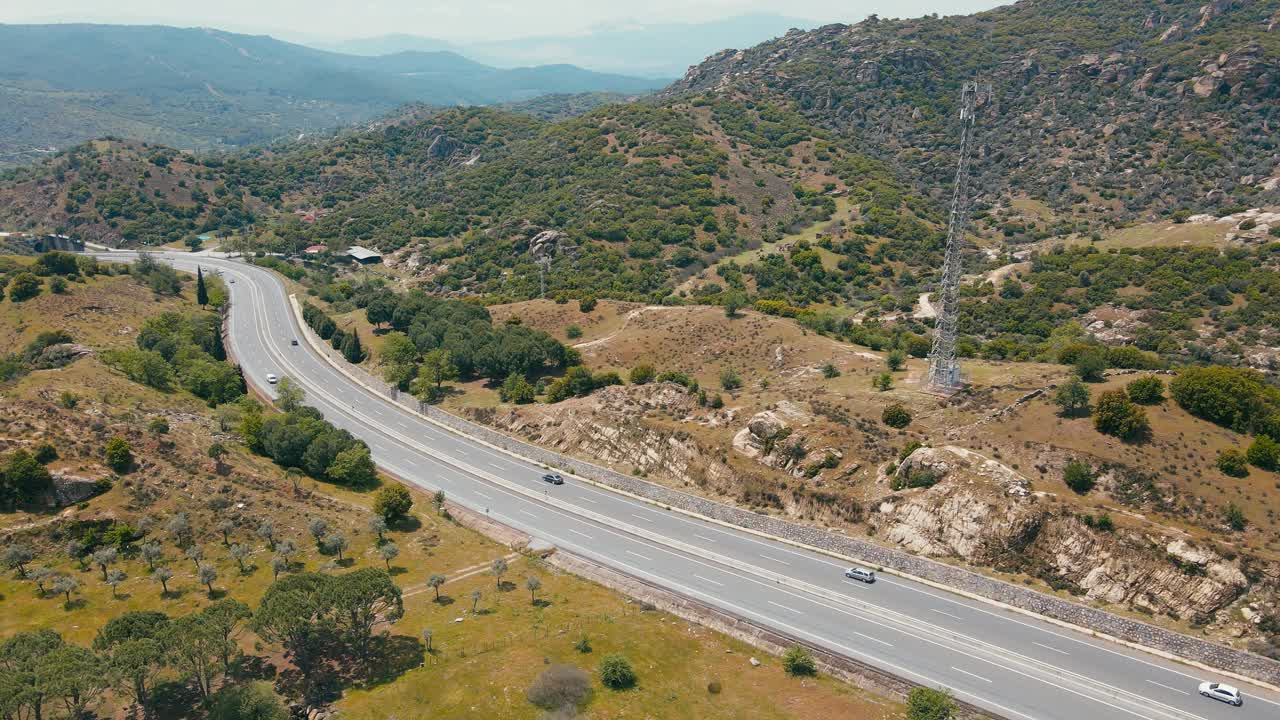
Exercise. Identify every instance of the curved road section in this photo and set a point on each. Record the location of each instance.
(1017, 666)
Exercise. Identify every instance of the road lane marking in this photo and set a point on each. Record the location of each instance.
(783, 562)
(486, 496)
(639, 555)
(1166, 687)
(648, 520)
(784, 607)
(526, 512)
(587, 499)
(713, 582)
(872, 639)
(943, 612)
(703, 537)
(1050, 647)
(575, 532)
(966, 672)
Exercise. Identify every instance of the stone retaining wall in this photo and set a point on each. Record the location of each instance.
(1179, 645)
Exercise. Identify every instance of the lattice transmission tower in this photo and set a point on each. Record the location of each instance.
(944, 368)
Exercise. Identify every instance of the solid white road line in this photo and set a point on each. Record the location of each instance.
(966, 672)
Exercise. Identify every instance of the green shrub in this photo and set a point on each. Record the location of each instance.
(573, 332)
(642, 374)
(392, 502)
(616, 672)
(729, 379)
(1147, 390)
(251, 701)
(1115, 414)
(1265, 453)
(1072, 398)
(1233, 462)
(1237, 398)
(896, 416)
(118, 454)
(1090, 365)
(929, 704)
(1234, 517)
(1079, 477)
(799, 662)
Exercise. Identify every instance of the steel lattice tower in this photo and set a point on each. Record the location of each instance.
(944, 368)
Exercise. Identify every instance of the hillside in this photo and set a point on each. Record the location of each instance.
(203, 89)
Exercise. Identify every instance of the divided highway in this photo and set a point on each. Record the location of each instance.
(1018, 666)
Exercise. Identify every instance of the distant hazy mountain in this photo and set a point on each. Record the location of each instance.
(652, 49)
(200, 88)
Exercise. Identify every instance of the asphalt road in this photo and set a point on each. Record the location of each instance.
(1017, 665)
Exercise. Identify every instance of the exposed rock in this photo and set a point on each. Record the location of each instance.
(443, 146)
(549, 244)
(71, 489)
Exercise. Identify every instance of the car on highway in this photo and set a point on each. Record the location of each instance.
(293, 342)
(863, 574)
(553, 478)
(1221, 691)
(271, 378)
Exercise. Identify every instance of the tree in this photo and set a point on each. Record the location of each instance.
(66, 585)
(137, 662)
(435, 582)
(118, 454)
(318, 527)
(1090, 364)
(361, 600)
(24, 286)
(587, 303)
(895, 360)
(438, 501)
(206, 574)
(1265, 453)
(21, 695)
(352, 351)
(267, 531)
(381, 308)
(216, 452)
(436, 369)
(642, 374)
(40, 576)
(75, 675)
(498, 569)
(353, 467)
(163, 575)
(1233, 462)
(17, 555)
(240, 553)
(388, 552)
(896, 416)
(616, 672)
(226, 527)
(1115, 414)
(392, 502)
(798, 661)
(1079, 477)
(533, 585)
(1072, 397)
(378, 526)
(427, 636)
(289, 395)
(180, 528)
(882, 382)
(152, 553)
(1147, 390)
(278, 565)
(516, 389)
(75, 550)
(195, 554)
(733, 302)
(336, 543)
(225, 619)
(1232, 397)
(929, 704)
(202, 293)
(114, 578)
(1235, 517)
(247, 701)
(561, 688)
(196, 647)
(104, 558)
(475, 599)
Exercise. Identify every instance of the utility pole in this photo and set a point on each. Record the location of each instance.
(944, 368)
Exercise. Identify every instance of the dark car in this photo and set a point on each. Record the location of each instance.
(553, 478)
(293, 342)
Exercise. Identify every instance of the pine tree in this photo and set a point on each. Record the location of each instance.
(202, 293)
(351, 349)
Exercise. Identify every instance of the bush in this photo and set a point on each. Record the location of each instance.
(573, 332)
(1234, 517)
(515, 389)
(1130, 357)
(1237, 398)
(587, 304)
(1116, 415)
(1146, 390)
(252, 701)
(1079, 477)
(118, 454)
(616, 672)
(895, 360)
(392, 502)
(799, 662)
(896, 416)
(1090, 365)
(24, 286)
(1265, 453)
(1233, 462)
(642, 374)
(929, 704)
(729, 379)
(1072, 398)
(560, 687)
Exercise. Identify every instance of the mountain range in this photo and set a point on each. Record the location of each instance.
(200, 88)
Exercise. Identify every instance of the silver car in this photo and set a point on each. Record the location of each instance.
(863, 574)
(1221, 691)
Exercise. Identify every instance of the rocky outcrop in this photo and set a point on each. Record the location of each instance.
(70, 489)
(771, 438)
(549, 244)
(443, 147)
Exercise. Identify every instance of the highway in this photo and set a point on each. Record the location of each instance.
(1011, 663)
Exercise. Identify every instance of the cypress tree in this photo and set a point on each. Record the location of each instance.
(351, 349)
(202, 293)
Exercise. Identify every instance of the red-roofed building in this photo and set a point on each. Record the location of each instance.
(313, 249)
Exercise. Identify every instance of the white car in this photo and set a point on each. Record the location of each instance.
(1221, 691)
(271, 378)
(863, 574)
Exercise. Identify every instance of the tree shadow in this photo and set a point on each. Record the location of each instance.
(77, 604)
(248, 569)
(173, 698)
(485, 611)
(216, 594)
(444, 600)
(345, 562)
(391, 656)
(397, 570)
(407, 523)
(253, 667)
(506, 586)
(172, 594)
(540, 603)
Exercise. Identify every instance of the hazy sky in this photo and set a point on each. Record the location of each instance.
(457, 20)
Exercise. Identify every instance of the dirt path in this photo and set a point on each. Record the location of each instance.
(626, 320)
(924, 308)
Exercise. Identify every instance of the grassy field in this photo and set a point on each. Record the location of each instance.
(483, 661)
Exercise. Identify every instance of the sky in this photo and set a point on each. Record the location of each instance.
(453, 20)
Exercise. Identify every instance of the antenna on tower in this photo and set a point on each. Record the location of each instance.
(944, 368)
